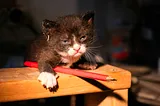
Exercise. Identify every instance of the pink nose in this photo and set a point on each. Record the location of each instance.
(76, 47)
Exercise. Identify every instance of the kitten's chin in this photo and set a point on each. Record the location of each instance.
(70, 54)
(77, 54)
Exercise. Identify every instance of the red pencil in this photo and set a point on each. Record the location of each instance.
(75, 72)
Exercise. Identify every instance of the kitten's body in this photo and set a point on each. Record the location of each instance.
(64, 41)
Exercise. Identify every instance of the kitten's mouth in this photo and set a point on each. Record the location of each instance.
(77, 54)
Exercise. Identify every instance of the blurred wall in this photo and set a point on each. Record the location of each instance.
(42, 9)
(50, 9)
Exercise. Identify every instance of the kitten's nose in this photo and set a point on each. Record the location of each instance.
(76, 47)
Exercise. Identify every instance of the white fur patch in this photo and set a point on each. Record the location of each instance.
(82, 48)
(76, 46)
(47, 79)
(71, 52)
(76, 50)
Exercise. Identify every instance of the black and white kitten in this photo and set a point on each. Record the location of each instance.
(64, 40)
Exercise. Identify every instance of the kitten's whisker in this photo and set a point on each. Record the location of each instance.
(93, 50)
(95, 46)
(91, 57)
(88, 57)
(91, 53)
(94, 41)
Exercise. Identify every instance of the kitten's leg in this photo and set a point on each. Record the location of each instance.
(84, 64)
(88, 66)
(48, 77)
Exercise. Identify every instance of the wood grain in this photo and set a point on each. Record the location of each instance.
(22, 84)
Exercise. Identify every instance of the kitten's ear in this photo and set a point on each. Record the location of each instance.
(47, 24)
(89, 17)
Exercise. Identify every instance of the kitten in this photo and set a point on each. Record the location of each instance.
(65, 41)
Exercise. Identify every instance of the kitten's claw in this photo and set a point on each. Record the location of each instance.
(48, 80)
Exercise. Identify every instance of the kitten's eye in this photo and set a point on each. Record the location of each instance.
(65, 42)
(83, 38)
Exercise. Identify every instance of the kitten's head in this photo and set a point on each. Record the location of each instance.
(70, 35)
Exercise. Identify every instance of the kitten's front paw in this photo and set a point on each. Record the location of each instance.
(48, 80)
(88, 66)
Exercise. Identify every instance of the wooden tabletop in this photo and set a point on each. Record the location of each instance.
(22, 84)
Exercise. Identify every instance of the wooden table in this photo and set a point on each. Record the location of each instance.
(22, 84)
